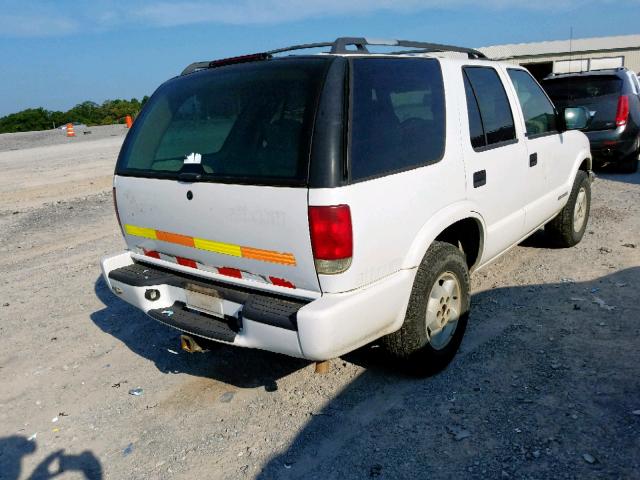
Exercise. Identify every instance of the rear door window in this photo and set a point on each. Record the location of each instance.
(248, 123)
(486, 95)
(397, 115)
(539, 113)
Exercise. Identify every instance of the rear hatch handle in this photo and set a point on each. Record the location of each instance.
(190, 172)
(189, 177)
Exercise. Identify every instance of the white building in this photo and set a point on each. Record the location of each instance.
(562, 56)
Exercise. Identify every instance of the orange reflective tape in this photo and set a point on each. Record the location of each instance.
(174, 238)
(268, 256)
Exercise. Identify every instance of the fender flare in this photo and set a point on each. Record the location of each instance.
(583, 154)
(443, 219)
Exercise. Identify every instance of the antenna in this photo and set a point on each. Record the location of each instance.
(570, 42)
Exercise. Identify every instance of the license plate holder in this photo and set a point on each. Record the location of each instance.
(204, 299)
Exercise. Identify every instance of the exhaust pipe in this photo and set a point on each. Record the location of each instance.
(189, 344)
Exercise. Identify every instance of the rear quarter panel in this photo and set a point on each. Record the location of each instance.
(389, 214)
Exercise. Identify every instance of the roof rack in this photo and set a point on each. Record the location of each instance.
(340, 46)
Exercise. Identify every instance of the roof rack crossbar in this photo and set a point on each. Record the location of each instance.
(340, 46)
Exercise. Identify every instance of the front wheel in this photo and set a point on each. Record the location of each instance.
(437, 314)
(568, 227)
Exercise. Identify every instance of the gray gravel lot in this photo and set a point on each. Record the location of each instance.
(23, 140)
(547, 384)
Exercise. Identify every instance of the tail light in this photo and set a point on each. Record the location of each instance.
(622, 114)
(331, 238)
(115, 207)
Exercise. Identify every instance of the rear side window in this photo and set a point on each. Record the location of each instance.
(486, 95)
(539, 113)
(248, 123)
(397, 115)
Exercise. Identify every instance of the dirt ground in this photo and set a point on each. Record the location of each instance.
(547, 384)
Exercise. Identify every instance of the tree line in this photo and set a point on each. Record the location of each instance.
(89, 113)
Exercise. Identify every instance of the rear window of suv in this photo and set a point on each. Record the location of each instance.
(397, 115)
(578, 88)
(248, 123)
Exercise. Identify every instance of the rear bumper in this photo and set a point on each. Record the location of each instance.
(612, 145)
(319, 329)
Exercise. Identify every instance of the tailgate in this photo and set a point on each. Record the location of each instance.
(602, 110)
(257, 234)
(213, 173)
(599, 93)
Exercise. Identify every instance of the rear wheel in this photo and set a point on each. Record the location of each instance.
(437, 313)
(568, 227)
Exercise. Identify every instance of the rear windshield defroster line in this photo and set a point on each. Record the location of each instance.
(248, 124)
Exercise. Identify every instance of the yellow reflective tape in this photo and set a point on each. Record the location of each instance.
(217, 247)
(140, 231)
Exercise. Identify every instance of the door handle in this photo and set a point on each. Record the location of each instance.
(533, 159)
(479, 178)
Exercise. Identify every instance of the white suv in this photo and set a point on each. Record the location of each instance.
(311, 204)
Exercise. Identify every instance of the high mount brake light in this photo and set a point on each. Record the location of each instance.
(622, 113)
(240, 59)
(331, 238)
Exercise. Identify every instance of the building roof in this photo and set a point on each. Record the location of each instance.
(561, 46)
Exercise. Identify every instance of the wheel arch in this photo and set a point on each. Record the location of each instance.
(586, 165)
(459, 225)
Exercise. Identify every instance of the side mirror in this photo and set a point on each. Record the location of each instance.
(576, 118)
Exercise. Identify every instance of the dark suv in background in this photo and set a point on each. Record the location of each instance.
(613, 101)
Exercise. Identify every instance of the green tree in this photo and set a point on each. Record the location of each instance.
(89, 113)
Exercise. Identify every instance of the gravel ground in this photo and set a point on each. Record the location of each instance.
(19, 141)
(547, 384)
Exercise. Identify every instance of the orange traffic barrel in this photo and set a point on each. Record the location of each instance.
(128, 120)
(70, 132)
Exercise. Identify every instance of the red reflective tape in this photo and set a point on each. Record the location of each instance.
(151, 253)
(186, 262)
(230, 272)
(281, 282)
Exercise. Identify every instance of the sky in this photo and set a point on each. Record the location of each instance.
(55, 54)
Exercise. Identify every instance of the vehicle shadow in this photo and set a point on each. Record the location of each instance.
(243, 368)
(542, 378)
(14, 448)
(610, 172)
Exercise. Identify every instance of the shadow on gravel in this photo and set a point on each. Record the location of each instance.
(546, 385)
(241, 367)
(610, 173)
(14, 448)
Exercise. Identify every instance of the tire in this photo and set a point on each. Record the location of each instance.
(568, 227)
(442, 273)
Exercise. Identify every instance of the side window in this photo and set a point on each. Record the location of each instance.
(539, 114)
(476, 130)
(493, 106)
(397, 115)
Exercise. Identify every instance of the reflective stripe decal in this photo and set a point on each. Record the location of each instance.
(140, 232)
(175, 238)
(217, 247)
(227, 271)
(212, 246)
(268, 256)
